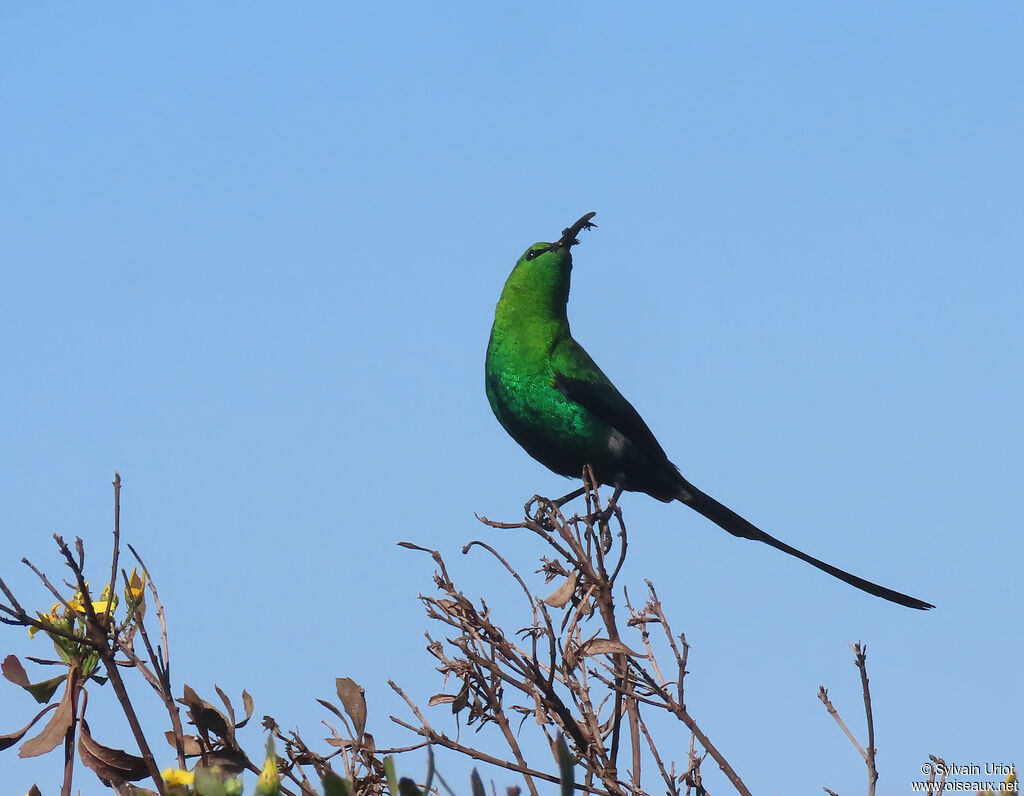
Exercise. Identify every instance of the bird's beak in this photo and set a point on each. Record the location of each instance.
(569, 233)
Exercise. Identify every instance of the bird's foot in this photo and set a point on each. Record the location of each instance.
(604, 517)
(604, 530)
(543, 511)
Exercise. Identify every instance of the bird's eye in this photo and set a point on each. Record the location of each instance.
(536, 252)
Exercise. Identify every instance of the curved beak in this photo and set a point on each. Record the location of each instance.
(569, 233)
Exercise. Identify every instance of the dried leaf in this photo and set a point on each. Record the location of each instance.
(461, 699)
(538, 710)
(8, 740)
(560, 597)
(112, 766)
(53, 733)
(249, 706)
(334, 709)
(190, 744)
(14, 671)
(227, 703)
(43, 691)
(441, 699)
(605, 646)
(352, 697)
(205, 716)
(232, 761)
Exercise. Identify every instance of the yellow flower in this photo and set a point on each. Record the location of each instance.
(99, 606)
(269, 782)
(76, 601)
(177, 776)
(136, 588)
(48, 618)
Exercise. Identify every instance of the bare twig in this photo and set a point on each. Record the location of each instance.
(860, 652)
(99, 636)
(112, 580)
(867, 754)
(823, 696)
(160, 660)
(937, 764)
(582, 674)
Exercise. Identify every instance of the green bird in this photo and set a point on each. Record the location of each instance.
(554, 400)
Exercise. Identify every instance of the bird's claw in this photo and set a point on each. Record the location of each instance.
(605, 530)
(542, 511)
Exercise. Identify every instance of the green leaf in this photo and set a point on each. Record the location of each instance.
(389, 772)
(406, 787)
(566, 774)
(335, 785)
(209, 782)
(430, 769)
(476, 783)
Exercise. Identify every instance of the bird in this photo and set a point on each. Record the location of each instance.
(553, 399)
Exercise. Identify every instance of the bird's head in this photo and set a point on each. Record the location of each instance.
(557, 255)
(539, 284)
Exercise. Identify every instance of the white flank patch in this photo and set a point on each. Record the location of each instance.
(616, 442)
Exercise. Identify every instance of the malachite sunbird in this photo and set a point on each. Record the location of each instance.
(555, 401)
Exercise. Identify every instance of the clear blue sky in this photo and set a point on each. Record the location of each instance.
(250, 253)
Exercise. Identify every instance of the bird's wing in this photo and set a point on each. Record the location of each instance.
(600, 398)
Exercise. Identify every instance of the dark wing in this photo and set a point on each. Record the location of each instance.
(599, 396)
(601, 399)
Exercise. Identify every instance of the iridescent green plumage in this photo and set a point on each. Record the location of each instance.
(555, 401)
(535, 368)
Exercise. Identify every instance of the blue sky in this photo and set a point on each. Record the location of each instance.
(250, 254)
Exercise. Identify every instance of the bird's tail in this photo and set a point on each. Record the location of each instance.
(732, 522)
